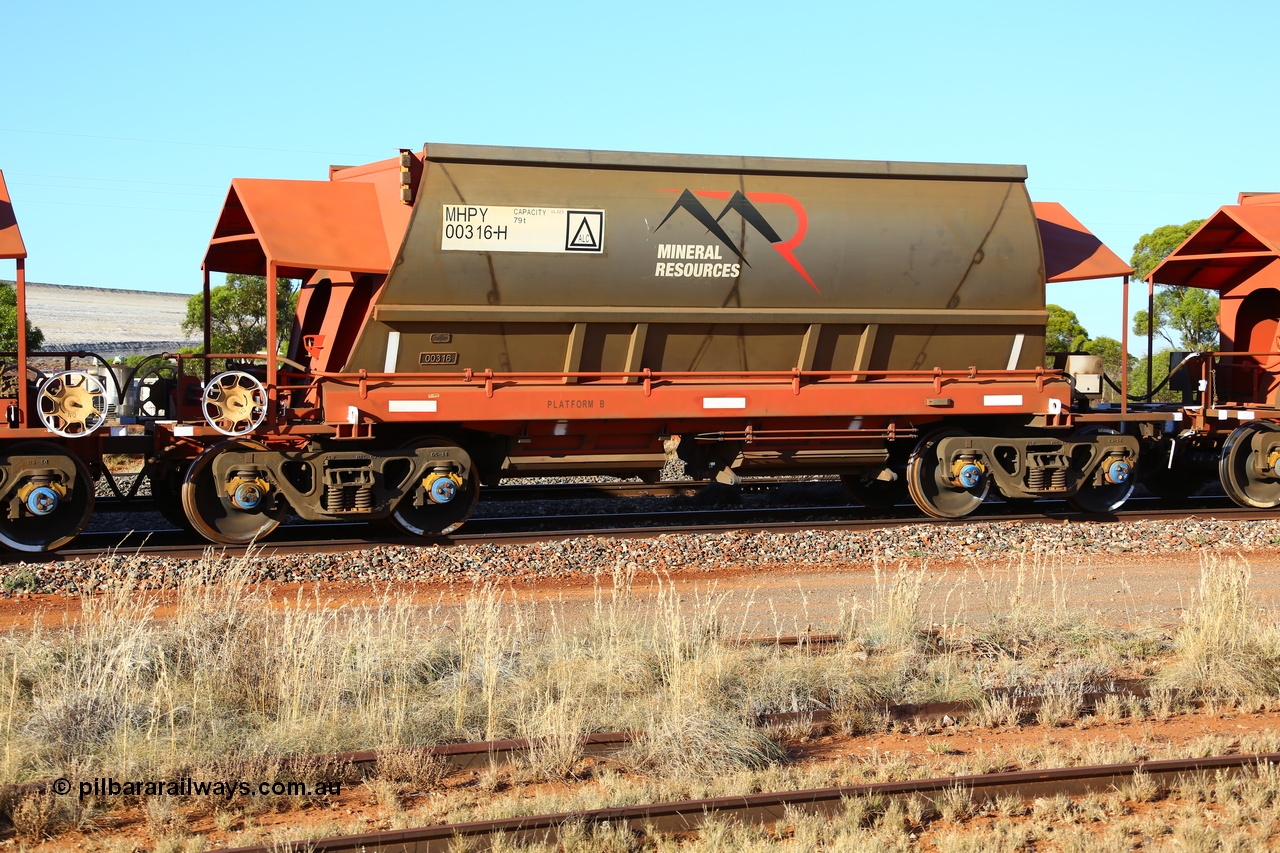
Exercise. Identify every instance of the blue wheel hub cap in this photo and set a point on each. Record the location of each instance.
(443, 490)
(1118, 472)
(248, 496)
(970, 475)
(42, 500)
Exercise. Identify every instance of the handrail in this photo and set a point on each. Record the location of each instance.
(469, 376)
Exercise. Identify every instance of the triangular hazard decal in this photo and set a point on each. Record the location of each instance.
(583, 237)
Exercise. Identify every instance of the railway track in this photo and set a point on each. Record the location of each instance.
(479, 754)
(539, 492)
(338, 536)
(467, 756)
(769, 808)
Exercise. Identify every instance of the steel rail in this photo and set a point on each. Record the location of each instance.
(479, 754)
(466, 756)
(769, 808)
(349, 536)
(539, 492)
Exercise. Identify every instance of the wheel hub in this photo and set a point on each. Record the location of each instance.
(1273, 464)
(967, 473)
(248, 496)
(442, 487)
(1118, 472)
(42, 500)
(248, 489)
(42, 494)
(73, 402)
(236, 403)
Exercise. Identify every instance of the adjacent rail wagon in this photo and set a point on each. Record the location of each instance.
(1230, 412)
(473, 313)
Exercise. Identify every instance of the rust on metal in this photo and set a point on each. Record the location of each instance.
(768, 808)
(462, 756)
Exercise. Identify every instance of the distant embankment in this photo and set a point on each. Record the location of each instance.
(109, 322)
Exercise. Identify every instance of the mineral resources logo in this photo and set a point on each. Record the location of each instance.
(673, 258)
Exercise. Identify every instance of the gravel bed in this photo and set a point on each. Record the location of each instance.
(588, 556)
(124, 482)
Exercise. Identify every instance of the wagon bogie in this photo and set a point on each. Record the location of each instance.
(46, 496)
(237, 491)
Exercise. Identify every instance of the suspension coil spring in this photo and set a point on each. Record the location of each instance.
(1059, 480)
(335, 498)
(1036, 479)
(363, 499)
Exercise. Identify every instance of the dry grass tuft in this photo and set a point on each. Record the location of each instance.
(956, 804)
(558, 734)
(414, 767)
(1222, 649)
(998, 711)
(165, 820)
(1062, 700)
(39, 816)
(891, 620)
(1141, 788)
(701, 745)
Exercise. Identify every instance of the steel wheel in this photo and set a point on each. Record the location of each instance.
(47, 520)
(72, 403)
(931, 488)
(873, 493)
(436, 519)
(165, 476)
(211, 511)
(1240, 477)
(1106, 496)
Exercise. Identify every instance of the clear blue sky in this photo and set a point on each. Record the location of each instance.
(124, 123)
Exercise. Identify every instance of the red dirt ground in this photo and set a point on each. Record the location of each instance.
(1125, 589)
(1120, 589)
(357, 805)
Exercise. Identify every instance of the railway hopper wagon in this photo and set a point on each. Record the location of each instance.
(472, 313)
(1230, 423)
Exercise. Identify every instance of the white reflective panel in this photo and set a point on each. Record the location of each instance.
(411, 406)
(724, 402)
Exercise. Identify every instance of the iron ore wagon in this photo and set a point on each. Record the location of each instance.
(473, 313)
